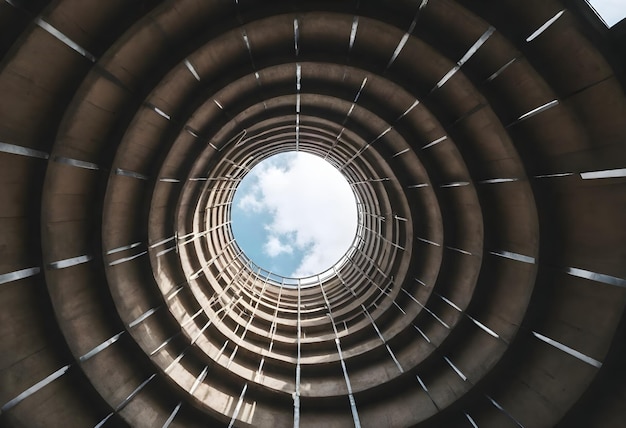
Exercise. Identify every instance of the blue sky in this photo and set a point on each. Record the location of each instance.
(294, 214)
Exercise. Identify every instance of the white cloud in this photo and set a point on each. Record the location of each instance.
(250, 202)
(273, 247)
(312, 206)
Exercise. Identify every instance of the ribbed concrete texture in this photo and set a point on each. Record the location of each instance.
(485, 142)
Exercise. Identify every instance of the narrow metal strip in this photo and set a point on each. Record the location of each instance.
(419, 379)
(358, 94)
(434, 315)
(100, 347)
(36, 387)
(77, 163)
(598, 277)
(238, 406)
(498, 180)
(355, 26)
(159, 111)
(501, 70)
(127, 259)
(143, 317)
(133, 174)
(483, 327)
(164, 344)
(395, 360)
(18, 274)
(134, 393)
(192, 69)
(246, 40)
(458, 250)
(558, 174)
(173, 293)
(423, 385)
(163, 241)
(400, 153)
(568, 350)
(429, 242)
(22, 151)
(449, 302)
(296, 35)
(202, 330)
(437, 141)
(103, 421)
(410, 295)
(199, 380)
(471, 421)
(447, 77)
(350, 110)
(544, 27)
(381, 135)
(469, 113)
(192, 132)
(64, 39)
(355, 414)
(455, 184)
(176, 360)
(472, 50)
(408, 110)
(123, 248)
(608, 173)
(399, 48)
(196, 274)
(167, 250)
(298, 76)
(538, 110)
(456, 369)
(396, 304)
(191, 318)
(419, 330)
(380, 335)
(499, 407)
(172, 416)
(513, 256)
(62, 264)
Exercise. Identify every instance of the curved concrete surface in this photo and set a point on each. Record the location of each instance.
(485, 143)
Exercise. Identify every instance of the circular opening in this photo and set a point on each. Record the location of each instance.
(294, 214)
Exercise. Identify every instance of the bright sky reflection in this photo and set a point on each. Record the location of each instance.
(611, 11)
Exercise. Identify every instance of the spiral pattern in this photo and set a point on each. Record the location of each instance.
(484, 142)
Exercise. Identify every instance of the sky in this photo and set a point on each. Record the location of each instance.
(294, 214)
(612, 11)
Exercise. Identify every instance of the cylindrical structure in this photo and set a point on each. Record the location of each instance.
(484, 142)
